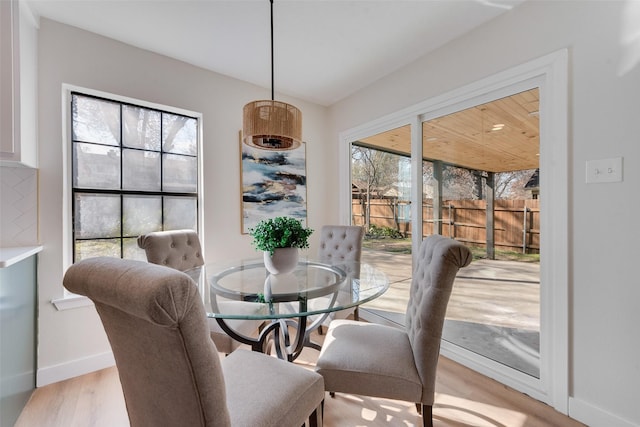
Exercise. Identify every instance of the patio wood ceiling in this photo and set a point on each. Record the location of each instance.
(499, 136)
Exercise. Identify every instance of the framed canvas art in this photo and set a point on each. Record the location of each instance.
(274, 183)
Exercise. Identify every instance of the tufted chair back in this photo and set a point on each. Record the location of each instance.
(340, 243)
(178, 249)
(437, 264)
(170, 372)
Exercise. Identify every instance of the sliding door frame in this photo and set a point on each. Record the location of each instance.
(550, 74)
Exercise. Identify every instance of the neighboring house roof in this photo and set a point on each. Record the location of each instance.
(534, 181)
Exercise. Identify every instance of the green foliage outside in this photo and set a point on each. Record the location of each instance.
(378, 232)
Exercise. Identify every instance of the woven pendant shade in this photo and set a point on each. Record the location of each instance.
(272, 125)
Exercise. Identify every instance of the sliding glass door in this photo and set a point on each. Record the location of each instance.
(488, 167)
(481, 187)
(381, 202)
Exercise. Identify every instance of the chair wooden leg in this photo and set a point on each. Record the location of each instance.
(316, 418)
(320, 330)
(427, 415)
(356, 314)
(332, 393)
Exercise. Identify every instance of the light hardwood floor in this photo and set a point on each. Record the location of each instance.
(463, 398)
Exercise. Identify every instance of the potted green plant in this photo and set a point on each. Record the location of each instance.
(280, 239)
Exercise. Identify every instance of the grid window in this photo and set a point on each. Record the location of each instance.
(134, 170)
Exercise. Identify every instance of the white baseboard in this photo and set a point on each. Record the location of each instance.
(74, 368)
(595, 417)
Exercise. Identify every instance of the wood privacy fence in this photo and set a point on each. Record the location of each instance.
(516, 222)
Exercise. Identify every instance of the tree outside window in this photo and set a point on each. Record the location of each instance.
(134, 170)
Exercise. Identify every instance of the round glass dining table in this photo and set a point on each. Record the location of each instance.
(290, 305)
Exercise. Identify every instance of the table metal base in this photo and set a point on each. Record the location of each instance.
(288, 346)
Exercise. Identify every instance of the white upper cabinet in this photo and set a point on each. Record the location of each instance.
(18, 85)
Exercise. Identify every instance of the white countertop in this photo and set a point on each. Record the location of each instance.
(10, 256)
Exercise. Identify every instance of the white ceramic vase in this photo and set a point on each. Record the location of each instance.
(283, 260)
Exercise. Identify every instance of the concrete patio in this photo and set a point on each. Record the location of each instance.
(494, 309)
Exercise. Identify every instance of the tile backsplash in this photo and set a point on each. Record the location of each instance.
(18, 206)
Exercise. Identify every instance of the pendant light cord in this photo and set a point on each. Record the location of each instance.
(272, 90)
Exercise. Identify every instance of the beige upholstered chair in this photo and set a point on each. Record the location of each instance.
(383, 361)
(171, 373)
(181, 250)
(340, 243)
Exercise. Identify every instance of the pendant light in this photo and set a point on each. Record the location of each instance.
(271, 124)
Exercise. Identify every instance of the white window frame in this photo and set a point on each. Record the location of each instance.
(70, 300)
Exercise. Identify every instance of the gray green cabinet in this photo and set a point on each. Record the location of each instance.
(17, 337)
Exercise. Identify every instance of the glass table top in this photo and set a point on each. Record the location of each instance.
(245, 290)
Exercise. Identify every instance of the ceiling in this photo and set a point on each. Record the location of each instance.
(325, 50)
(499, 136)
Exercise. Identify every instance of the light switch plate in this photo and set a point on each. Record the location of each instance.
(604, 170)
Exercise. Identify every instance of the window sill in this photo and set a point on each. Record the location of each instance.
(71, 301)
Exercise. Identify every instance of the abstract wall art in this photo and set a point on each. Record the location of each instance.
(274, 183)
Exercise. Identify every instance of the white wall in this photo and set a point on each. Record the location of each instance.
(72, 341)
(604, 109)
